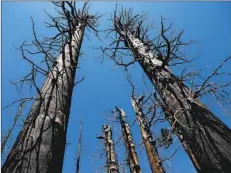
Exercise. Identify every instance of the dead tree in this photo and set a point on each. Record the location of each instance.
(132, 157)
(79, 147)
(112, 165)
(146, 114)
(149, 143)
(207, 138)
(40, 145)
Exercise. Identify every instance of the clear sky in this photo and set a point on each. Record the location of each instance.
(208, 23)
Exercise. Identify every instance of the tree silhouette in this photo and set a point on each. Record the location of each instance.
(207, 139)
(40, 145)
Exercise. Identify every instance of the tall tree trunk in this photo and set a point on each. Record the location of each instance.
(207, 138)
(112, 165)
(132, 157)
(149, 143)
(40, 145)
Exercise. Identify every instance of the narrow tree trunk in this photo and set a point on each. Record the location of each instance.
(207, 138)
(132, 157)
(40, 145)
(112, 165)
(79, 147)
(149, 143)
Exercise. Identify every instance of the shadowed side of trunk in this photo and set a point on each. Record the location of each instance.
(41, 143)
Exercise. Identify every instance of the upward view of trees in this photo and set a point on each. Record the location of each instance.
(206, 137)
(175, 101)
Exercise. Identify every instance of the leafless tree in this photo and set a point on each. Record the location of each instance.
(40, 145)
(148, 113)
(79, 147)
(132, 157)
(112, 165)
(149, 142)
(207, 139)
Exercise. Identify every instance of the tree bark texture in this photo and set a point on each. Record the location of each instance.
(40, 145)
(132, 157)
(112, 165)
(207, 139)
(149, 143)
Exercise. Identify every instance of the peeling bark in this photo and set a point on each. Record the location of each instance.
(132, 157)
(112, 165)
(207, 139)
(40, 145)
(149, 143)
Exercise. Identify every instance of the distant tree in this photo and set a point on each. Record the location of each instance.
(207, 139)
(112, 165)
(148, 115)
(79, 147)
(146, 133)
(132, 157)
(40, 145)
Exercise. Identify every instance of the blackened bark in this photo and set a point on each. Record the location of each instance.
(149, 143)
(112, 165)
(207, 139)
(40, 145)
(79, 147)
(132, 157)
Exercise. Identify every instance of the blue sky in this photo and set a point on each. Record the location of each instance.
(208, 23)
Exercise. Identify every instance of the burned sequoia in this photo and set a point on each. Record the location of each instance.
(40, 145)
(206, 139)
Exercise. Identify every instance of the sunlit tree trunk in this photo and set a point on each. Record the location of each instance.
(149, 143)
(208, 139)
(112, 165)
(132, 157)
(40, 145)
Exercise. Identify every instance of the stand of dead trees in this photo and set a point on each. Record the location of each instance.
(207, 139)
(40, 145)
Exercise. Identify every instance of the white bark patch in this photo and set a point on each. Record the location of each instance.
(60, 118)
(143, 50)
(123, 114)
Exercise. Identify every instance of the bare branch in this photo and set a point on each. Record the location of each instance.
(215, 72)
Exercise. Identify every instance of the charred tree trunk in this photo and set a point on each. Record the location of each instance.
(149, 143)
(79, 147)
(207, 138)
(40, 145)
(132, 157)
(112, 165)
